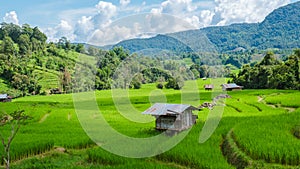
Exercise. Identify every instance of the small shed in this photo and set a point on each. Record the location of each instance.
(231, 87)
(176, 117)
(5, 98)
(209, 87)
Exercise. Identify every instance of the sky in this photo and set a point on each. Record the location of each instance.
(107, 22)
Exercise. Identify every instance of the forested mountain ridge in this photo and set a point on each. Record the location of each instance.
(161, 42)
(280, 30)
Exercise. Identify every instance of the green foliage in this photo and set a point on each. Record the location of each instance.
(28, 64)
(136, 84)
(160, 85)
(175, 83)
(270, 73)
(161, 42)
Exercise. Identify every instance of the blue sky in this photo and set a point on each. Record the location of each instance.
(50, 12)
(79, 20)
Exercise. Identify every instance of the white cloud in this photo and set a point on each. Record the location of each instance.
(73, 15)
(83, 28)
(124, 2)
(175, 6)
(206, 18)
(63, 29)
(11, 17)
(194, 21)
(156, 10)
(109, 36)
(184, 9)
(106, 9)
(235, 11)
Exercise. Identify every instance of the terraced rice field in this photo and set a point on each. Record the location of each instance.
(251, 133)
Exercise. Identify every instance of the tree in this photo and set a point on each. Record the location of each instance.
(135, 84)
(8, 46)
(269, 60)
(175, 83)
(24, 44)
(270, 73)
(65, 81)
(80, 48)
(14, 120)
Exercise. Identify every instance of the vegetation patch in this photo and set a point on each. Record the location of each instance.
(235, 108)
(266, 139)
(255, 106)
(238, 158)
(233, 154)
(296, 131)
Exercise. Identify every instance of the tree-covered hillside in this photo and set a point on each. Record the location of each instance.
(161, 42)
(28, 64)
(280, 30)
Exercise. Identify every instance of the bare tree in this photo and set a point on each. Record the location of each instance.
(15, 120)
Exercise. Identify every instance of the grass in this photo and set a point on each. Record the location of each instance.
(261, 132)
(285, 100)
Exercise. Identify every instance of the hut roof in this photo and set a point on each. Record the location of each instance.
(3, 96)
(160, 109)
(231, 86)
(209, 86)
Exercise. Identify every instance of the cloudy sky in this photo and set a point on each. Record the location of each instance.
(104, 22)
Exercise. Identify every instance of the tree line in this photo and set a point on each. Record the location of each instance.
(271, 73)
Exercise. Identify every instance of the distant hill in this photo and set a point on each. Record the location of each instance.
(280, 29)
(160, 42)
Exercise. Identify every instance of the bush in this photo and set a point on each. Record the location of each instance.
(160, 85)
(176, 84)
(135, 84)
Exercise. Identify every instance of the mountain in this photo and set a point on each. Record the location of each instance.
(157, 43)
(280, 29)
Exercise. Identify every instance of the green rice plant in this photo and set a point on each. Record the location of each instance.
(262, 132)
(270, 138)
(285, 100)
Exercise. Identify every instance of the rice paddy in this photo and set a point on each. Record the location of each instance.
(251, 133)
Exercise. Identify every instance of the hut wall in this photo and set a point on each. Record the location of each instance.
(179, 122)
(165, 122)
(187, 119)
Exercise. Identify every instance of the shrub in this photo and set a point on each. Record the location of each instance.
(135, 84)
(160, 85)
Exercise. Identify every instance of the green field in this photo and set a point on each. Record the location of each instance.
(258, 129)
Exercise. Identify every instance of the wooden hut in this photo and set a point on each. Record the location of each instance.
(5, 98)
(209, 87)
(176, 117)
(231, 87)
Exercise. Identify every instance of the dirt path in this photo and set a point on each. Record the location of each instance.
(44, 118)
(260, 99)
(69, 116)
(290, 109)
